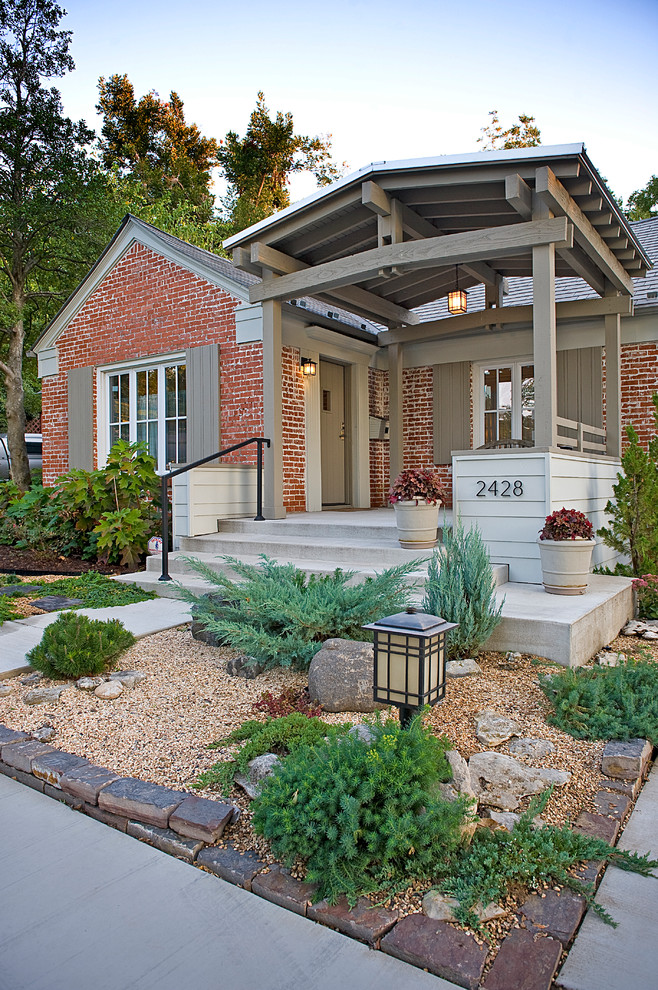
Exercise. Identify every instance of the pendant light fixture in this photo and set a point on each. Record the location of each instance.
(457, 298)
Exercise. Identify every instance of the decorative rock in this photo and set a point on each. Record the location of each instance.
(51, 766)
(493, 729)
(282, 889)
(500, 781)
(165, 840)
(524, 961)
(607, 658)
(439, 907)
(364, 733)
(88, 683)
(513, 661)
(650, 634)
(555, 913)
(634, 628)
(612, 805)
(630, 788)
(44, 695)
(229, 864)
(5, 689)
(363, 921)
(205, 636)
(19, 590)
(128, 678)
(20, 754)
(86, 782)
(132, 798)
(461, 783)
(597, 826)
(11, 735)
(258, 769)
(340, 676)
(44, 734)
(536, 749)
(462, 668)
(626, 760)
(436, 946)
(509, 819)
(109, 690)
(201, 818)
(53, 603)
(32, 678)
(244, 666)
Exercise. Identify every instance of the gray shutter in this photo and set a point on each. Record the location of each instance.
(452, 409)
(580, 385)
(202, 372)
(80, 420)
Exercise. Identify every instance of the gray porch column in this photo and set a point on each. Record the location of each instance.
(395, 429)
(613, 384)
(544, 337)
(272, 411)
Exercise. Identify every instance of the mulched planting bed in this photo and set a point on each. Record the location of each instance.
(28, 562)
(159, 731)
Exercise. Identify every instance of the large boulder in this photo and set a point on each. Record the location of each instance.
(500, 781)
(340, 677)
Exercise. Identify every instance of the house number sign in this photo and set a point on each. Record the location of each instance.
(499, 488)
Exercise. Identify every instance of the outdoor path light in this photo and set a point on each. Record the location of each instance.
(409, 653)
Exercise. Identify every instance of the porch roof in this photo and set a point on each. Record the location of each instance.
(385, 240)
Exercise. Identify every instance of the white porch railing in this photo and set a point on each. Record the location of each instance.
(580, 436)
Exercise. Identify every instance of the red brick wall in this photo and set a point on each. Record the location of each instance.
(379, 449)
(639, 381)
(294, 432)
(149, 306)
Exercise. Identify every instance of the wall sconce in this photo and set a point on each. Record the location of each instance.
(308, 367)
(409, 653)
(457, 303)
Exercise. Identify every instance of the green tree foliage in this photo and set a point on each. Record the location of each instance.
(461, 588)
(149, 142)
(633, 512)
(258, 166)
(525, 134)
(643, 203)
(362, 815)
(75, 646)
(51, 210)
(280, 616)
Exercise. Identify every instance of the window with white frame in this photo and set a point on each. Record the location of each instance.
(149, 404)
(507, 402)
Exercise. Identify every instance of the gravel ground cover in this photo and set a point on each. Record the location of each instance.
(159, 731)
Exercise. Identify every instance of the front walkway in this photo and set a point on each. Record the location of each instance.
(82, 905)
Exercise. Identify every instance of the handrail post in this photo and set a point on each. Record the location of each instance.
(259, 517)
(164, 515)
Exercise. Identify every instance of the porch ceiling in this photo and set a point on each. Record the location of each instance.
(353, 234)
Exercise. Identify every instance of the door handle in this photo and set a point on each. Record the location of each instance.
(341, 435)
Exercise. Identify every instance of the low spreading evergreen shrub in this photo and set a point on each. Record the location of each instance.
(606, 702)
(486, 869)
(363, 816)
(280, 616)
(461, 588)
(75, 646)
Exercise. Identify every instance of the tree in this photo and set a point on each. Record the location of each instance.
(149, 143)
(259, 165)
(643, 203)
(525, 134)
(51, 206)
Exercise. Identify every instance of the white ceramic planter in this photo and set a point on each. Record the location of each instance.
(565, 565)
(417, 524)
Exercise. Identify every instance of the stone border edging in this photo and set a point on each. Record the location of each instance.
(187, 826)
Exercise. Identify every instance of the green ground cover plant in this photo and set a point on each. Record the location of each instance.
(280, 616)
(97, 591)
(75, 646)
(461, 588)
(363, 816)
(276, 735)
(485, 870)
(606, 702)
(7, 609)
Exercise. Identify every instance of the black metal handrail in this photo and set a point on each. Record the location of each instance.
(164, 491)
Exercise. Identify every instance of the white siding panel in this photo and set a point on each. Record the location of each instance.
(180, 509)
(221, 491)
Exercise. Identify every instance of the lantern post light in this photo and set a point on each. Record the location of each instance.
(409, 660)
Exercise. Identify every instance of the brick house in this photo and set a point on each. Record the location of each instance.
(170, 344)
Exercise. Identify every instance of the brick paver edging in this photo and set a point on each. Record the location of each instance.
(187, 826)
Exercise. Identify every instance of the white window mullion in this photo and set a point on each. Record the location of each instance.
(132, 400)
(162, 449)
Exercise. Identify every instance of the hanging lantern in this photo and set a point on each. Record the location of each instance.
(457, 303)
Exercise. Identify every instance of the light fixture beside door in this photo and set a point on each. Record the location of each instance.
(308, 367)
(457, 298)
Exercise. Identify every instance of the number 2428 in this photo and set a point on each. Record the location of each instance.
(503, 489)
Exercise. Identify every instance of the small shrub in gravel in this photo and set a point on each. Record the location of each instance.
(74, 646)
(290, 700)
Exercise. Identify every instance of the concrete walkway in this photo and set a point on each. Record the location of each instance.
(82, 905)
(626, 957)
(17, 637)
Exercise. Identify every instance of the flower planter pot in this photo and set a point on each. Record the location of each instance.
(417, 524)
(565, 565)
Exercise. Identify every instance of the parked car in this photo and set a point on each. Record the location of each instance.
(34, 452)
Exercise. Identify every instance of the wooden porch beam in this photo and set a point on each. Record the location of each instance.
(551, 191)
(427, 253)
(581, 309)
(363, 302)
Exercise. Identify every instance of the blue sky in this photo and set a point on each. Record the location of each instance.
(390, 80)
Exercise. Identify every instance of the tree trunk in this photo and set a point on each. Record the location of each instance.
(20, 465)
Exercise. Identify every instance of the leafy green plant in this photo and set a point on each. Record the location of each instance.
(485, 870)
(276, 735)
(606, 702)
(281, 616)
(98, 591)
(33, 519)
(461, 588)
(633, 528)
(363, 816)
(647, 595)
(75, 646)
